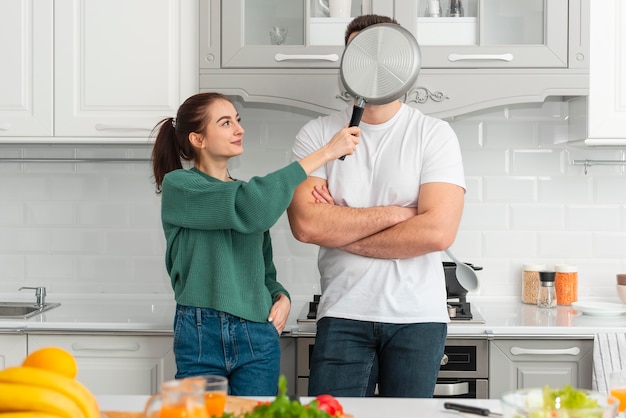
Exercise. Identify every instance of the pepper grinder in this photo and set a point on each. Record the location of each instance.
(547, 293)
(455, 9)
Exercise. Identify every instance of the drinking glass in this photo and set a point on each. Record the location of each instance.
(215, 392)
(278, 35)
(617, 388)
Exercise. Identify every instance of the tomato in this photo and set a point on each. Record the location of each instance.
(330, 404)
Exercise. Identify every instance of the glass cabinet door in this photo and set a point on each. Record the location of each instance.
(488, 33)
(285, 33)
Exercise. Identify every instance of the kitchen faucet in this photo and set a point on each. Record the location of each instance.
(40, 294)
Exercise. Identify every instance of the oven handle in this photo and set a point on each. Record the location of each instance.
(518, 351)
(452, 389)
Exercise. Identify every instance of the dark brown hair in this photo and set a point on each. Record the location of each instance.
(361, 22)
(172, 145)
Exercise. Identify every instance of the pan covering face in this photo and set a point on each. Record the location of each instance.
(381, 63)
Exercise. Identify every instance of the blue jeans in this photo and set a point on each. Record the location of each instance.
(207, 341)
(350, 357)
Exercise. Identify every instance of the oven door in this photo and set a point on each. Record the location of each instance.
(462, 388)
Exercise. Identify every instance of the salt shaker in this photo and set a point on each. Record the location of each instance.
(547, 292)
(433, 8)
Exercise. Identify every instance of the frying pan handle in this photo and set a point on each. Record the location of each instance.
(357, 113)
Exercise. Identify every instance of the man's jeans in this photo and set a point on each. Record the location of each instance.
(207, 341)
(350, 357)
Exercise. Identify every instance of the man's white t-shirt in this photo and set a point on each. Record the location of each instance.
(391, 161)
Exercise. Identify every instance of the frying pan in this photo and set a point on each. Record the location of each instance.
(379, 65)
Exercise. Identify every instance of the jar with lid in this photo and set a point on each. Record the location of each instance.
(530, 282)
(547, 294)
(566, 284)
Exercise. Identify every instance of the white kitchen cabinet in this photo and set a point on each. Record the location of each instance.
(121, 66)
(12, 349)
(547, 43)
(103, 71)
(26, 36)
(600, 118)
(525, 363)
(116, 364)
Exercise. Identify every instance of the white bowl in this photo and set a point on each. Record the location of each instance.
(530, 403)
(621, 292)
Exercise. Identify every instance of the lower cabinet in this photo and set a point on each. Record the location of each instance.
(524, 363)
(12, 349)
(116, 364)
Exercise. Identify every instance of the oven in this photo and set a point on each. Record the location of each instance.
(464, 370)
(463, 373)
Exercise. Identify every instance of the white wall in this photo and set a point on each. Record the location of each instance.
(95, 228)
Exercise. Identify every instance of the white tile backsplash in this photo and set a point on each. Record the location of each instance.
(95, 227)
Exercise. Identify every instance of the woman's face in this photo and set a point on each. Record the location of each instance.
(223, 135)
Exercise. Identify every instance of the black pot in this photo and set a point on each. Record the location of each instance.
(453, 287)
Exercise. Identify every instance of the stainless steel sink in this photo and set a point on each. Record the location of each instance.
(23, 310)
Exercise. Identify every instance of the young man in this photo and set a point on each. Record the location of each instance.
(381, 218)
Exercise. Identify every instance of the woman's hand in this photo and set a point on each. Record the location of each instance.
(322, 195)
(280, 312)
(344, 142)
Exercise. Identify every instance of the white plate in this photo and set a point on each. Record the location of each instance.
(600, 308)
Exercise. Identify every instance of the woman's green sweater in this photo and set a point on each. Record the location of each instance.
(219, 251)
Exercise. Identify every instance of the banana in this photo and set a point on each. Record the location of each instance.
(27, 414)
(46, 379)
(18, 398)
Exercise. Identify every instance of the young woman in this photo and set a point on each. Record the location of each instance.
(230, 309)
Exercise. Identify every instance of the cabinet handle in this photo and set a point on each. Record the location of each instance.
(518, 351)
(121, 347)
(5, 126)
(497, 57)
(286, 57)
(105, 127)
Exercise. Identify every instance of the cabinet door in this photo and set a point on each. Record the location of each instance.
(26, 70)
(122, 65)
(518, 364)
(12, 350)
(490, 33)
(116, 365)
(312, 39)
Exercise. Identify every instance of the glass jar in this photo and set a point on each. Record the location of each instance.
(530, 282)
(547, 294)
(566, 284)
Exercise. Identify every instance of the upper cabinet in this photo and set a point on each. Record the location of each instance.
(26, 36)
(490, 33)
(600, 118)
(116, 68)
(491, 53)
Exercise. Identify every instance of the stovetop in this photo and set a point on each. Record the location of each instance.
(462, 315)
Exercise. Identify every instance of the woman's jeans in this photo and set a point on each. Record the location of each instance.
(207, 341)
(350, 357)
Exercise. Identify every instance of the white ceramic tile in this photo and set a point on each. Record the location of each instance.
(610, 190)
(12, 213)
(50, 213)
(133, 242)
(46, 266)
(64, 240)
(510, 135)
(535, 162)
(474, 189)
(509, 189)
(537, 217)
(485, 162)
(592, 217)
(565, 244)
(23, 241)
(485, 216)
(103, 214)
(565, 189)
(501, 244)
(609, 245)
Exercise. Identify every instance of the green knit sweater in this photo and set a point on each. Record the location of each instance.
(219, 252)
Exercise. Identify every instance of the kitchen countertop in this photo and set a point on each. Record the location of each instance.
(504, 317)
(357, 407)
